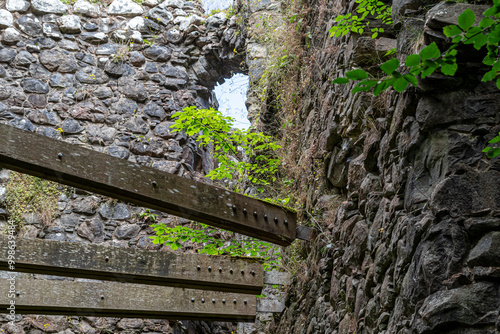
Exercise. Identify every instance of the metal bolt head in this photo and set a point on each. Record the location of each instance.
(255, 214)
(213, 301)
(102, 296)
(202, 300)
(252, 272)
(245, 302)
(198, 267)
(223, 301)
(285, 222)
(276, 220)
(245, 211)
(242, 271)
(230, 271)
(59, 155)
(18, 293)
(192, 300)
(106, 258)
(234, 207)
(234, 301)
(154, 184)
(209, 268)
(265, 217)
(220, 270)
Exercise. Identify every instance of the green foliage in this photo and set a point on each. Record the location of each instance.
(147, 215)
(29, 194)
(430, 59)
(493, 152)
(359, 23)
(211, 242)
(241, 154)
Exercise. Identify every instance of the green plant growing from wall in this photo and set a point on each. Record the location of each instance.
(29, 194)
(430, 59)
(359, 23)
(241, 154)
(211, 242)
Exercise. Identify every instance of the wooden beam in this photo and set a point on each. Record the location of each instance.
(74, 259)
(123, 300)
(79, 167)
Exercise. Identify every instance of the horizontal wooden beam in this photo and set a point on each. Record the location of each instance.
(79, 167)
(197, 271)
(123, 300)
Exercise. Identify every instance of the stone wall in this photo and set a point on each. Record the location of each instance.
(407, 205)
(108, 76)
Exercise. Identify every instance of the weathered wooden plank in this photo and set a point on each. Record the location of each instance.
(124, 300)
(197, 271)
(130, 182)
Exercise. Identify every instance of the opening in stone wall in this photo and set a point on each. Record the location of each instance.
(210, 5)
(231, 96)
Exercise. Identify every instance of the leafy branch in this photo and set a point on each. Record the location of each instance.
(359, 23)
(431, 59)
(241, 154)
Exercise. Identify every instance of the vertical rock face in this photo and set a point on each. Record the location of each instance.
(410, 206)
(109, 78)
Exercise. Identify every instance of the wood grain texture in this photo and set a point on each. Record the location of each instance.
(75, 166)
(123, 300)
(134, 265)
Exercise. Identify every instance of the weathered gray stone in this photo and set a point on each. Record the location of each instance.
(115, 211)
(486, 252)
(92, 230)
(17, 5)
(118, 152)
(58, 80)
(137, 23)
(94, 37)
(125, 8)
(154, 110)
(86, 205)
(49, 7)
(43, 117)
(91, 75)
(30, 25)
(137, 125)
(470, 305)
(132, 89)
(102, 135)
(127, 231)
(7, 55)
(124, 106)
(6, 19)
(70, 24)
(85, 8)
(11, 36)
(161, 15)
(158, 53)
(52, 30)
(71, 126)
(34, 86)
(24, 59)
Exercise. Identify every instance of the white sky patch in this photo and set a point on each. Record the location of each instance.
(231, 96)
(210, 5)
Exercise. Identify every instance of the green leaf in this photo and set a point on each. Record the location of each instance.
(411, 79)
(486, 22)
(498, 83)
(390, 66)
(449, 69)
(412, 60)
(340, 81)
(495, 140)
(450, 31)
(430, 51)
(488, 76)
(357, 74)
(400, 84)
(466, 19)
(364, 86)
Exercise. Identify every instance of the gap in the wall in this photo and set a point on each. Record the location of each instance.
(231, 96)
(210, 5)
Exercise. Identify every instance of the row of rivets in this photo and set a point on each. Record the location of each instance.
(265, 216)
(198, 267)
(213, 300)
